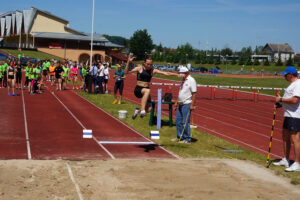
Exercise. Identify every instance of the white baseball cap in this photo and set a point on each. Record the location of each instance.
(183, 69)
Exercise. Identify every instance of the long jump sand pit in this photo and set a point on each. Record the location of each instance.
(141, 179)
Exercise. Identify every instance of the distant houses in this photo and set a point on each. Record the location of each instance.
(285, 51)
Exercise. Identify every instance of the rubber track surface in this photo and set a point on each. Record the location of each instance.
(12, 131)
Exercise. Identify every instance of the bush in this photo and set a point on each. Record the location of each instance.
(279, 63)
(289, 61)
(266, 63)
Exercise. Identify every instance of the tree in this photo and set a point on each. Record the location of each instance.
(279, 62)
(226, 51)
(256, 61)
(218, 60)
(249, 61)
(289, 61)
(198, 58)
(266, 62)
(117, 40)
(140, 44)
(233, 62)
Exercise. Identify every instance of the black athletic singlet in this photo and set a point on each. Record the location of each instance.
(145, 76)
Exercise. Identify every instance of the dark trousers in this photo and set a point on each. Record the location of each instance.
(89, 82)
(26, 81)
(94, 79)
(99, 83)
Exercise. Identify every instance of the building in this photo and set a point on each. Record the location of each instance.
(285, 51)
(45, 32)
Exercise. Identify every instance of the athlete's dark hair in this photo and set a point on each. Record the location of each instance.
(148, 57)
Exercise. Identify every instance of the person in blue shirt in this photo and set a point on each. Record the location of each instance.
(119, 85)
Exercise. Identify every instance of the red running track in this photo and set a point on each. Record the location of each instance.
(244, 122)
(49, 126)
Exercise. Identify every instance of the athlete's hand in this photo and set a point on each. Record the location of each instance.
(131, 57)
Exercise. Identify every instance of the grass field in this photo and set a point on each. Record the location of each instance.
(206, 145)
(31, 54)
(234, 69)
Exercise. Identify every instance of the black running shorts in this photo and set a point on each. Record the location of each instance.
(291, 124)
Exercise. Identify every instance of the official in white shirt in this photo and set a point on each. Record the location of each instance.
(185, 104)
(291, 124)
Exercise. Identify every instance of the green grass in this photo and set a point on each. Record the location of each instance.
(31, 54)
(206, 145)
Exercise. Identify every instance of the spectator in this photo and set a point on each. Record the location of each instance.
(27, 72)
(65, 75)
(184, 106)
(100, 77)
(83, 75)
(52, 73)
(291, 124)
(94, 72)
(37, 79)
(1, 74)
(74, 75)
(119, 84)
(11, 78)
(58, 75)
(18, 74)
(106, 77)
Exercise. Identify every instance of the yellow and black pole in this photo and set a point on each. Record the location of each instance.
(277, 105)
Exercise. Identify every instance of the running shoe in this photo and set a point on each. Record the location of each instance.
(143, 114)
(119, 102)
(9, 94)
(115, 101)
(136, 112)
(283, 162)
(14, 94)
(185, 142)
(106, 92)
(294, 167)
(175, 139)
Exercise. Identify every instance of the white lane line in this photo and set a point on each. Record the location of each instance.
(119, 142)
(236, 140)
(73, 180)
(79, 122)
(26, 128)
(174, 155)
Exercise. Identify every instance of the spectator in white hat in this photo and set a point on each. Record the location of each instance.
(184, 105)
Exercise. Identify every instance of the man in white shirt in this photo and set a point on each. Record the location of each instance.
(291, 124)
(184, 105)
(100, 77)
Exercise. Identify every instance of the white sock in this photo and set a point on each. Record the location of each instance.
(143, 112)
(136, 111)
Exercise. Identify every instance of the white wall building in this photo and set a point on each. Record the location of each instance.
(282, 50)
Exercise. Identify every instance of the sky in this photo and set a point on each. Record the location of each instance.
(205, 24)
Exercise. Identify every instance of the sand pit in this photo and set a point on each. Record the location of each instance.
(141, 179)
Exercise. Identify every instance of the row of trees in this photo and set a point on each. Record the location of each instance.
(141, 44)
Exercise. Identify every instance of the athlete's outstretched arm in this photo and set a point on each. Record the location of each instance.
(156, 71)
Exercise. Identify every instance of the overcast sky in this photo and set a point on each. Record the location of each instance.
(202, 23)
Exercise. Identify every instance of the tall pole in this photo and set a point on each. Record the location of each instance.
(92, 34)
